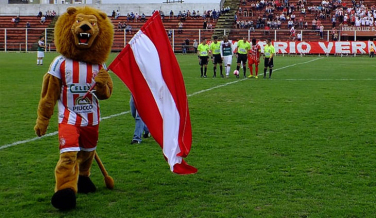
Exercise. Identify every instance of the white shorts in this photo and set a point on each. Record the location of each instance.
(40, 54)
(227, 60)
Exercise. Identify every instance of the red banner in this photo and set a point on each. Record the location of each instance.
(342, 47)
(296, 47)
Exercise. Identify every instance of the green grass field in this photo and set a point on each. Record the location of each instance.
(299, 145)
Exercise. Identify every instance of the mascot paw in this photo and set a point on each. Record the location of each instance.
(40, 127)
(85, 185)
(102, 77)
(64, 199)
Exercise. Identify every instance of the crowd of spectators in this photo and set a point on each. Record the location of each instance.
(180, 15)
(49, 14)
(277, 14)
(207, 14)
(285, 14)
(124, 26)
(358, 14)
(282, 13)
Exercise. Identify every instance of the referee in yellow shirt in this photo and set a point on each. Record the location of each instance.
(243, 49)
(215, 49)
(203, 56)
(269, 52)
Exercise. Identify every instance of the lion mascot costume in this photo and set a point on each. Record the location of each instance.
(83, 37)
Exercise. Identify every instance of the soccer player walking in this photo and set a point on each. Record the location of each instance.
(226, 54)
(243, 48)
(40, 52)
(254, 58)
(268, 57)
(215, 49)
(203, 55)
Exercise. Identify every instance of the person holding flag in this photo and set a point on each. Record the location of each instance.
(269, 52)
(254, 58)
(215, 49)
(226, 54)
(203, 56)
(148, 67)
(242, 50)
(140, 127)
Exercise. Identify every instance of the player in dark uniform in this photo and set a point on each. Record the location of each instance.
(269, 52)
(242, 51)
(215, 48)
(203, 55)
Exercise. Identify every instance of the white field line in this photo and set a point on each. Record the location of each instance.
(236, 81)
(55, 133)
(369, 79)
(126, 112)
(292, 65)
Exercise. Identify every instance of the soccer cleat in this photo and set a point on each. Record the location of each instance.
(256, 77)
(135, 142)
(146, 135)
(250, 76)
(205, 76)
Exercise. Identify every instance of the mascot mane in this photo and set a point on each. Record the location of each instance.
(65, 40)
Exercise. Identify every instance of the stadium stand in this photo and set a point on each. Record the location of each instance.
(191, 27)
(16, 33)
(248, 11)
(238, 18)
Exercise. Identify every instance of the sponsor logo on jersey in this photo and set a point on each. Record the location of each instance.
(78, 89)
(83, 105)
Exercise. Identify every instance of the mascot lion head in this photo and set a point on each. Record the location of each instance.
(84, 34)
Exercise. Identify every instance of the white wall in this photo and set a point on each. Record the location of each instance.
(33, 9)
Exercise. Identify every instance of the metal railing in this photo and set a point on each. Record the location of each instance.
(23, 39)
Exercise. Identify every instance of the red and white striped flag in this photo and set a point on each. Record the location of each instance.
(148, 67)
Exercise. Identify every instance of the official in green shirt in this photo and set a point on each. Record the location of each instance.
(215, 49)
(269, 52)
(243, 49)
(203, 55)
